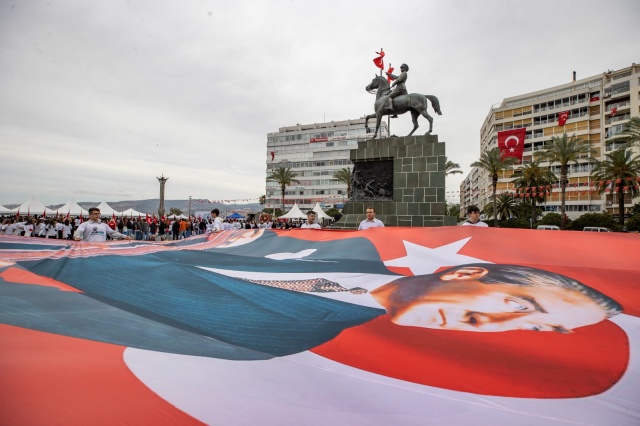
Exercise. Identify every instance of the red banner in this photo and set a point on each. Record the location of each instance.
(562, 118)
(511, 143)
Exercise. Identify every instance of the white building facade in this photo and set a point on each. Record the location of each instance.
(314, 152)
(598, 106)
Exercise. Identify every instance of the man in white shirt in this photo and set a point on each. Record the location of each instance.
(311, 221)
(370, 221)
(473, 212)
(95, 231)
(217, 223)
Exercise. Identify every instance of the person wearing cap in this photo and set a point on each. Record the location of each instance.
(473, 212)
(94, 231)
(311, 221)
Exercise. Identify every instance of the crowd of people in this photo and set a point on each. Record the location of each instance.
(65, 227)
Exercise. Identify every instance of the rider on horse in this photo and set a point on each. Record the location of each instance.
(398, 83)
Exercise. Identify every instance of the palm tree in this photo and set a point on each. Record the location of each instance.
(534, 176)
(565, 150)
(619, 167)
(262, 200)
(493, 163)
(632, 131)
(451, 168)
(344, 175)
(283, 176)
(506, 205)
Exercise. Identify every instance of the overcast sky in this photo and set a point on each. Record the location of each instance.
(98, 98)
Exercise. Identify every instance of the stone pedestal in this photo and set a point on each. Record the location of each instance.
(418, 183)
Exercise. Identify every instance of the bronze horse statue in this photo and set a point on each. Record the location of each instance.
(414, 102)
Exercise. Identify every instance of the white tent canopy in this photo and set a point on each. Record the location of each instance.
(320, 213)
(4, 210)
(131, 213)
(107, 210)
(294, 213)
(73, 209)
(173, 216)
(33, 206)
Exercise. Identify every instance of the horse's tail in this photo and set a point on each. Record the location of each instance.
(435, 103)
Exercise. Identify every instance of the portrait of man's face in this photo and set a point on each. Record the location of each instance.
(459, 300)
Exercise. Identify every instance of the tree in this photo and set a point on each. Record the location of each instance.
(262, 200)
(344, 175)
(506, 207)
(452, 209)
(631, 132)
(283, 176)
(451, 168)
(175, 210)
(535, 177)
(603, 220)
(334, 213)
(620, 168)
(565, 150)
(633, 223)
(551, 219)
(493, 163)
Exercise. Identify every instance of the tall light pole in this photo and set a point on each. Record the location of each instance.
(163, 180)
(189, 207)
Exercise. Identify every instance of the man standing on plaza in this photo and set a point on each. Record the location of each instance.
(473, 212)
(95, 231)
(217, 225)
(311, 221)
(370, 221)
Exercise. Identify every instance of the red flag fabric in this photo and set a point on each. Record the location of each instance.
(613, 111)
(511, 143)
(68, 215)
(562, 118)
(379, 62)
(114, 217)
(273, 154)
(44, 213)
(594, 99)
(147, 218)
(389, 71)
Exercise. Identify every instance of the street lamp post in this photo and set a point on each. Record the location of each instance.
(189, 207)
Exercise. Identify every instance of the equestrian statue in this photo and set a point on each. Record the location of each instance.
(394, 100)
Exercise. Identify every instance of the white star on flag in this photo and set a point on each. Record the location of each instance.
(424, 260)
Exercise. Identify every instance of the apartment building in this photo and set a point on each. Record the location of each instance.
(314, 152)
(598, 108)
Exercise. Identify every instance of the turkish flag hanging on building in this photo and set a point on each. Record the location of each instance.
(511, 143)
(273, 154)
(379, 62)
(613, 111)
(562, 118)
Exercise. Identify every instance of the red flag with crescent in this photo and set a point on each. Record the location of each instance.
(379, 62)
(562, 118)
(511, 143)
(613, 111)
(389, 71)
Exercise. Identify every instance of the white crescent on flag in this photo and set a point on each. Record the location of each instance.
(512, 148)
